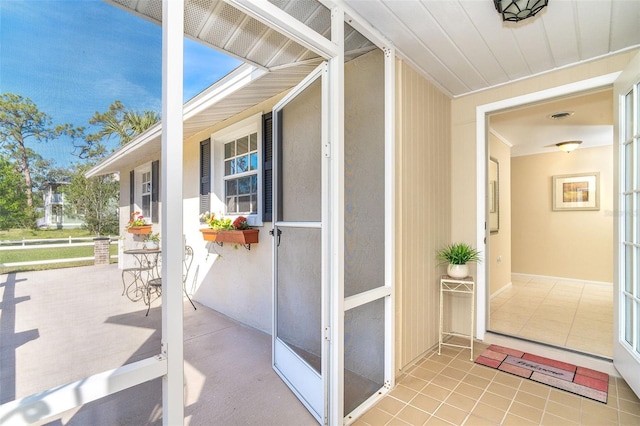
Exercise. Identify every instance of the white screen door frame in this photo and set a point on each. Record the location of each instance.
(626, 345)
(309, 385)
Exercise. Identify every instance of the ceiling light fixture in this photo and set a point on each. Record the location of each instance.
(560, 115)
(517, 10)
(568, 146)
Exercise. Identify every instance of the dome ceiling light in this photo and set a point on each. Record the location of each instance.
(568, 146)
(517, 10)
(560, 115)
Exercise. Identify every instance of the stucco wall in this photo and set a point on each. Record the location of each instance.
(233, 281)
(498, 256)
(567, 244)
(423, 203)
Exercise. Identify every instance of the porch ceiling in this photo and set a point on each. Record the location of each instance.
(461, 45)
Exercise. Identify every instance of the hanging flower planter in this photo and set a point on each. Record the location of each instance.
(236, 236)
(142, 229)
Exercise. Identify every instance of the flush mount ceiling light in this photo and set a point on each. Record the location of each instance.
(568, 146)
(517, 10)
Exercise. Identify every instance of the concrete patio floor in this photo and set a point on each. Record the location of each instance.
(62, 325)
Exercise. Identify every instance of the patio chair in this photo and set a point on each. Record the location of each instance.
(155, 284)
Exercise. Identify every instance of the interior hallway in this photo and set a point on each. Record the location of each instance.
(568, 314)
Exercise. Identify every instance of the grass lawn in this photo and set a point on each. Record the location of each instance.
(11, 256)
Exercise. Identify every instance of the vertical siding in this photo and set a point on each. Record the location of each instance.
(424, 209)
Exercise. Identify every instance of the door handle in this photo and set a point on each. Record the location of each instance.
(279, 233)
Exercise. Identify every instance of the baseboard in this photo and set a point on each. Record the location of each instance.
(505, 287)
(546, 277)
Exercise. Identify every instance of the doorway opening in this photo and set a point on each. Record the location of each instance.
(549, 263)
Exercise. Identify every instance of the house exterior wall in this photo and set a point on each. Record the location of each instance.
(464, 210)
(568, 244)
(233, 281)
(423, 202)
(498, 255)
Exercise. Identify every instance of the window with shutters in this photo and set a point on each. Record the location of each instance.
(241, 175)
(144, 189)
(238, 169)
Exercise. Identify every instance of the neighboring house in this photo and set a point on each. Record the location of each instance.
(374, 168)
(56, 214)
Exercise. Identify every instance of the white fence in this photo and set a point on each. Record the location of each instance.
(49, 243)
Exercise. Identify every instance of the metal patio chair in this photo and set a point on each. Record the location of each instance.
(155, 285)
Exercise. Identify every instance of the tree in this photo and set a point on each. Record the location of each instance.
(13, 197)
(120, 122)
(21, 121)
(96, 198)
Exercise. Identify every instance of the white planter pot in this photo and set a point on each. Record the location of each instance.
(458, 271)
(151, 245)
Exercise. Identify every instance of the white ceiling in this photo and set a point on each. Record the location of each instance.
(529, 130)
(463, 45)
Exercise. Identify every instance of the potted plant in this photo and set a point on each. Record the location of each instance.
(224, 230)
(152, 242)
(138, 224)
(457, 255)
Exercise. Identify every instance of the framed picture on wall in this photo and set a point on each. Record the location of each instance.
(576, 192)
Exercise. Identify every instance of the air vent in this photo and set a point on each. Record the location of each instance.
(560, 115)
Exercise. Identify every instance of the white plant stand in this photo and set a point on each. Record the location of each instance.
(456, 285)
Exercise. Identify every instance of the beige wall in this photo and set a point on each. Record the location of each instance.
(423, 216)
(498, 255)
(568, 244)
(463, 131)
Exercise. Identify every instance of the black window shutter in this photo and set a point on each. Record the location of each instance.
(132, 196)
(205, 176)
(155, 187)
(267, 167)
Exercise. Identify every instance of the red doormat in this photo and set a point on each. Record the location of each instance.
(579, 380)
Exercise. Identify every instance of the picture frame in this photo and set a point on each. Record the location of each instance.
(578, 191)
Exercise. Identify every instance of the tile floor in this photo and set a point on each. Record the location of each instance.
(567, 314)
(449, 389)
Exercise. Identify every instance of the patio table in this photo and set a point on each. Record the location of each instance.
(145, 270)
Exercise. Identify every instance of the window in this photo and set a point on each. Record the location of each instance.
(241, 175)
(144, 191)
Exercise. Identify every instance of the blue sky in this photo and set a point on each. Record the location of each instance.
(75, 57)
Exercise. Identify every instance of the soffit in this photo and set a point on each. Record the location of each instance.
(245, 87)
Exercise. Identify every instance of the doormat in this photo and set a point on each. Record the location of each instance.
(579, 380)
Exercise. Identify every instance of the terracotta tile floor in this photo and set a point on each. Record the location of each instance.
(449, 389)
(567, 314)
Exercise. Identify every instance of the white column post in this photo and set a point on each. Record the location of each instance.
(336, 220)
(172, 243)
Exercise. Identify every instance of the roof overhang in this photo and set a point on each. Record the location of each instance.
(241, 89)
